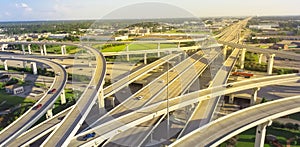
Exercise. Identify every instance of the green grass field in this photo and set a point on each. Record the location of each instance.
(11, 101)
(135, 47)
(247, 138)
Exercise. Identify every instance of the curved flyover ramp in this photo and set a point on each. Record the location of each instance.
(31, 116)
(71, 123)
(217, 132)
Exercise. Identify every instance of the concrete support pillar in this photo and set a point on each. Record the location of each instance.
(90, 62)
(260, 58)
(242, 59)
(112, 101)
(231, 99)
(42, 50)
(29, 49)
(63, 97)
(24, 64)
(49, 114)
(101, 102)
(63, 50)
(184, 55)
(5, 65)
(127, 47)
(2, 47)
(127, 57)
(34, 68)
(225, 52)
(23, 49)
(254, 96)
(158, 48)
(45, 49)
(261, 134)
(178, 45)
(145, 58)
(270, 64)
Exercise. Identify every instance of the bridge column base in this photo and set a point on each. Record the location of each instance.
(23, 49)
(145, 58)
(225, 52)
(261, 134)
(101, 102)
(63, 97)
(49, 114)
(270, 64)
(158, 48)
(5, 65)
(45, 49)
(29, 49)
(42, 50)
(231, 99)
(34, 68)
(242, 58)
(254, 96)
(260, 58)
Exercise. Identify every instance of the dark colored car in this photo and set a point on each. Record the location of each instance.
(88, 136)
(229, 85)
(61, 118)
(39, 106)
(52, 91)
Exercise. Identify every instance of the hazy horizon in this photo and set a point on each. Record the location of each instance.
(56, 10)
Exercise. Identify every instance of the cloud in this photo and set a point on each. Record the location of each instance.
(23, 6)
(7, 14)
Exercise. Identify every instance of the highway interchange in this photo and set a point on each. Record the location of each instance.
(169, 88)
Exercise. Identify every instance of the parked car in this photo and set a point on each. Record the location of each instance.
(88, 136)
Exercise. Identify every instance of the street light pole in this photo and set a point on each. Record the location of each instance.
(168, 115)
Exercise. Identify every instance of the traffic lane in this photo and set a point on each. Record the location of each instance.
(34, 132)
(212, 133)
(49, 99)
(148, 91)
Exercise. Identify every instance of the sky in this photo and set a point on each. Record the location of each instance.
(28, 10)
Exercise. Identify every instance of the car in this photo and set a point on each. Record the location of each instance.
(161, 81)
(58, 73)
(52, 91)
(39, 106)
(139, 97)
(229, 85)
(88, 136)
(92, 87)
(61, 118)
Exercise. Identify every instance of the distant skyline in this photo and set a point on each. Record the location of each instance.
(29, 10)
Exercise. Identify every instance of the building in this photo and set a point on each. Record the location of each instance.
(121, 38)
(57, 36)
(265, 27)
(14, 89)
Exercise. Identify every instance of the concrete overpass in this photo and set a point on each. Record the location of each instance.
(31, 116)
(204, 111)
(49, 125)
(220, 130)
(282, 54)
(74, 119)
(113, 127)
(40, 130)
